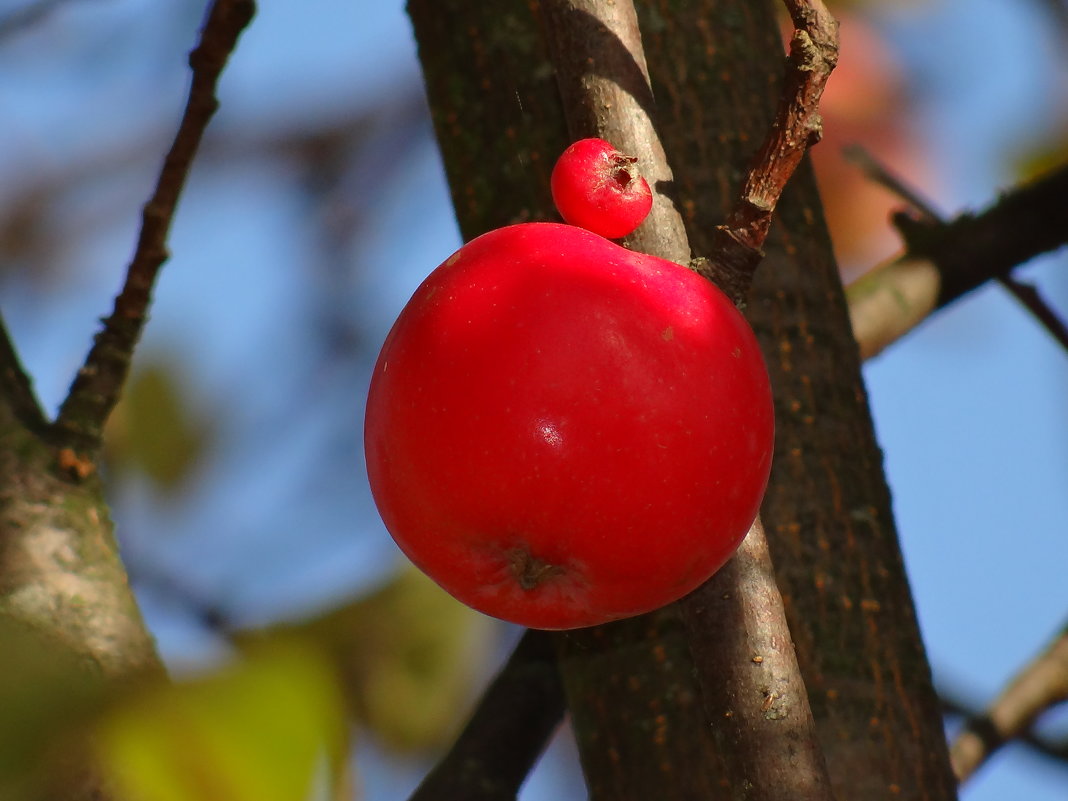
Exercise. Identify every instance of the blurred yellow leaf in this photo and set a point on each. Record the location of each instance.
(153, 429)
(269, 728)
(409, 655)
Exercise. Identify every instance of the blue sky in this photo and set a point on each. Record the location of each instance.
(969, 409)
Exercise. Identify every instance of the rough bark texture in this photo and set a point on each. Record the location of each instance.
(603, 79)
(61, 580)
(753, 691)
(635, 706)
(827, 512)
(715, 70)
(495, 107)
(633, 700)
(760, 712)
(59, 566)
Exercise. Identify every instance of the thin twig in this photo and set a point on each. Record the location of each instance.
(507, 732)
(97, 387)
(1036, 304)
(881, 174)
(797, 125)
(1040, 685)
(16, 389)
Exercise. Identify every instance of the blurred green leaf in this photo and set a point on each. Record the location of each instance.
(269, 728)
(47, 692)
(410, 657)
(153, 429)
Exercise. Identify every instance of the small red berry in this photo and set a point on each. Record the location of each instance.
(598, 188)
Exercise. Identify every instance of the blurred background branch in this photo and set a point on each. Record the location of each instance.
(514, 719)
(1034, 690)
(945, 260)
(961, 711)
(27, 15)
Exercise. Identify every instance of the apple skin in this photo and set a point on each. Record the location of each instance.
(562, 432)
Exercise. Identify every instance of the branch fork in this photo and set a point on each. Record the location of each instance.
(98, 384)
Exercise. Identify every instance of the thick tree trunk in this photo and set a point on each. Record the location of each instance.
(827, 512)
(60, 572)
(633, 700)
(63, 589)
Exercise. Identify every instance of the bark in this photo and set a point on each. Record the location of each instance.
(61, 579)
(827, 511)
(946, 260)
(758, 705)
(516, 716)
(634, 704)
(59, 565)
(753, 690)
(631, 693)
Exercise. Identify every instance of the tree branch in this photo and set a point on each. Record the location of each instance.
(99, 382)
(630, 686)
(880, 174)
(16, 389)
(597, 53)
(1028, 295)
(797, 125)
(827, 510)
(750, 680)
(507, 732)
(945, 260)
(956, 708)
(1039, 686)
(760, 712)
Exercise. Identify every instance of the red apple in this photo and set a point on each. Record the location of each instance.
(562, 432)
